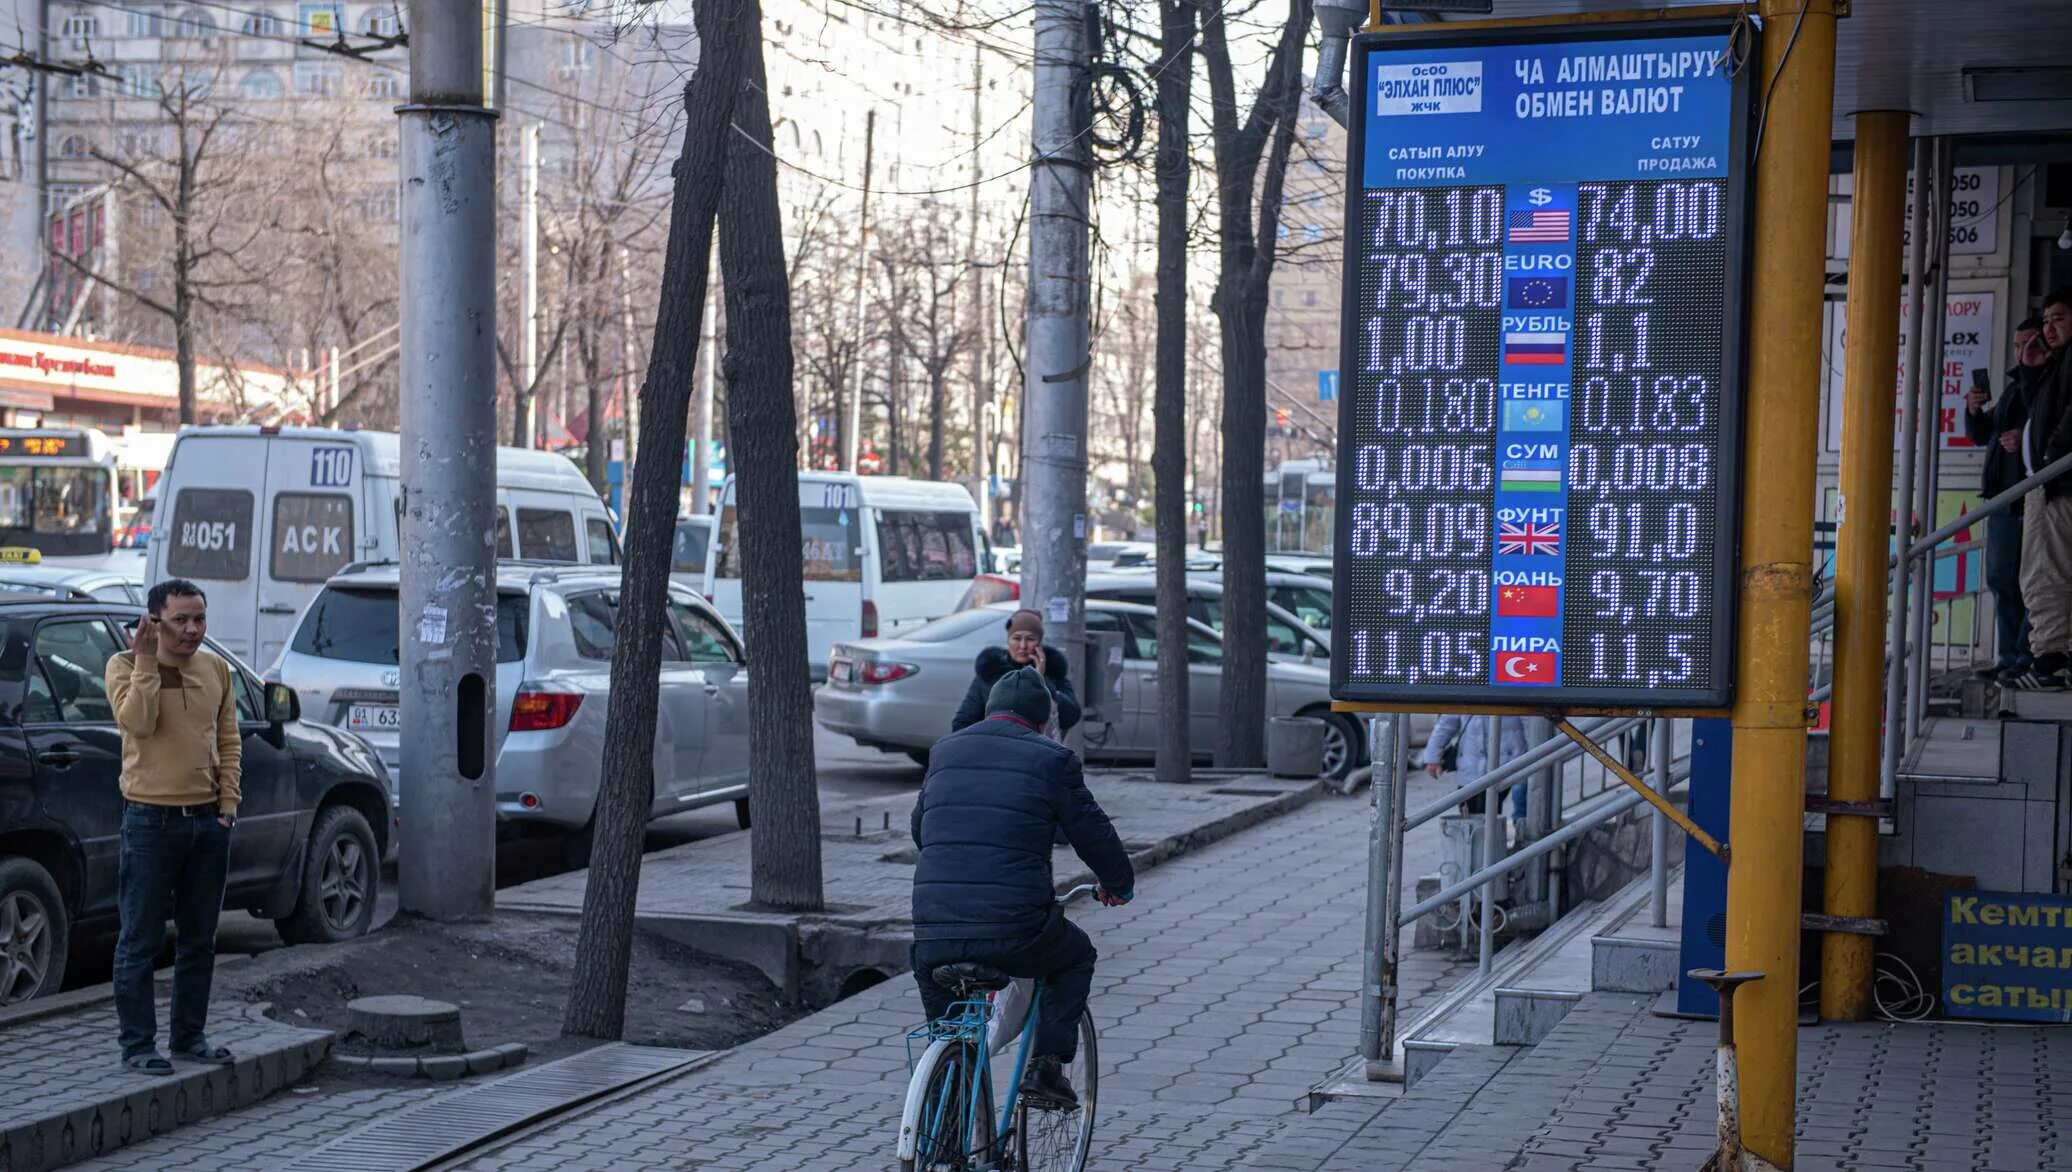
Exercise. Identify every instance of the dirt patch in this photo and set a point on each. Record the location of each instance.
(510, 979)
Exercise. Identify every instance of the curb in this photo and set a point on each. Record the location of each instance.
(438, 1067)
(145, 1107)
(92, 996)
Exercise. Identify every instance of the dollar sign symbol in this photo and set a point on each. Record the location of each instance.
(1541, 197)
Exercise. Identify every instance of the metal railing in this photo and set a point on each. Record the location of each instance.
(1569, 793)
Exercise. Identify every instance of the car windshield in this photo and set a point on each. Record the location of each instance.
(956, 626)
(358, 624)
(61, 511)
(1309, 603)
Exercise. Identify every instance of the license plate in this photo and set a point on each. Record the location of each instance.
(374, 717)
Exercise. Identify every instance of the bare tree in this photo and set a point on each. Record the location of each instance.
(1251, 154)
(1169, 401)
(203, 210)
(784, 842)
(597, 988)
(921, 267)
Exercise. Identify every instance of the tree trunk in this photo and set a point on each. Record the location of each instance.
(1169, 398)
(938, 389)
(1245, 267)
(596, 444)
(597, 988)
(183, 288)
(784, 839)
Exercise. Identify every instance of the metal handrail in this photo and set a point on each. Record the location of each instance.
(1554, 752)
(1568, 832)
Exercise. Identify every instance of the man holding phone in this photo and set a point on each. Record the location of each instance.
(182, 758)
(1996, 426)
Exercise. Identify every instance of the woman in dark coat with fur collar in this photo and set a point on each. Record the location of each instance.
(1025, 648)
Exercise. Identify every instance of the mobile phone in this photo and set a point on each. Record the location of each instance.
(1981, 380)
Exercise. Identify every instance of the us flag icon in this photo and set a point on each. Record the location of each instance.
(1542, 226)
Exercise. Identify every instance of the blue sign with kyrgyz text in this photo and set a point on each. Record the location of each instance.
(2007, 956)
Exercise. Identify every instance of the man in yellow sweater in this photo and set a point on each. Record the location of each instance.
(181, 759)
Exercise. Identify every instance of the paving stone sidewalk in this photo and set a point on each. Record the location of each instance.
(1616, 1087)
(1224, 992)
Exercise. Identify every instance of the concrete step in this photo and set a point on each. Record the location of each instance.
(65, 1095)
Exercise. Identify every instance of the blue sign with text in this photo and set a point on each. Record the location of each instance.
(2007, 956)
(1327, 386)
(1652, 108)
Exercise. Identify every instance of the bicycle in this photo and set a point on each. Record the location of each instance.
(948, 1125)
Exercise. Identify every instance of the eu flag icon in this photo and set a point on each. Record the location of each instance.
(1536, 293)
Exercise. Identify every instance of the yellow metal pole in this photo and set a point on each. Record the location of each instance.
(1789, 228)
(1855, 747)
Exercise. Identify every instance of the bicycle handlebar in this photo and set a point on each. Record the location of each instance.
(1076, 892)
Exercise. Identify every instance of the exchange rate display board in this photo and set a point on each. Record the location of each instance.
(1538, 432)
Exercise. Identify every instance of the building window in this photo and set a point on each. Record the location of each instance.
(260, 85)
(194, 87)
(57, 196)
(577, 53)
(379, 22)
(261, 24)
(146, 23)
(195, 24)
(138, 81)
(74, 146)
(381, 146)
(383, 84)
(79, 28)
(82, 85)
(318, 80)
(382, 206)
(320, 20)
(138, 144)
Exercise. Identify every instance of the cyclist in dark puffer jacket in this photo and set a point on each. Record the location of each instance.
(995, 795)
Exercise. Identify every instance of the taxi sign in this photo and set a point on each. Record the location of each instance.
(20, 555)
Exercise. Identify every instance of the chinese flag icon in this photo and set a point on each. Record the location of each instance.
(1526, 602)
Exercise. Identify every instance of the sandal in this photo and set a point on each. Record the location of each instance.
(206, 1051)
(153, 1064)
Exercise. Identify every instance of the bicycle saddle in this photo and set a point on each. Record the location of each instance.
(969, 976)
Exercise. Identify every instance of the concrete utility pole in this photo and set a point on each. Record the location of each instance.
(853, 422)
(448, 336)
(529, 308)
(1053, 463)
(708, 359)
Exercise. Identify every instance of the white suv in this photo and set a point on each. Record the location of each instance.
(556, 629)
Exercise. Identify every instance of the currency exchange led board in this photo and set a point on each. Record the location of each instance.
(1538, 429)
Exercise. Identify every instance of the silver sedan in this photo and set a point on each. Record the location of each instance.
(898, 694)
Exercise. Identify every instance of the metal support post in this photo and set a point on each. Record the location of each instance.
(1542, 799)
(448, 653)
(1903, 492)
(1730, 1157)
(1861, 546)
(1789, 234)
(1053, 452)
(1658, 829)
(1378, 983)
(527, 404)
(1936, 193)
(1492, 845)
(701, 454)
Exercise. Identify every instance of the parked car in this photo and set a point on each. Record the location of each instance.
(898, 693)
(1290, 636)
(29, 579)
(882, 554)
(693, 543)
(556, 630)
(1102, 555)
(262, 516)
(316, 819)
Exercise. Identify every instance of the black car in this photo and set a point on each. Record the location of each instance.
(311, 832)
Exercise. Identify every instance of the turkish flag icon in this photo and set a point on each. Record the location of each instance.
(1526, 667)
(1527, 602)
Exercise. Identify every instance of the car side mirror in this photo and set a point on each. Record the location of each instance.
(1309, 652)
(283, 706)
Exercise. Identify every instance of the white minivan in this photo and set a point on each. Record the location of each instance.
(882, 554)
(261, 517)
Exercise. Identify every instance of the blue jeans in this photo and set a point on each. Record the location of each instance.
(1060, 958)
(168, 857)
(2004, 579)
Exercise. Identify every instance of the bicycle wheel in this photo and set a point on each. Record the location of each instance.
(939, 1143)
(1057, 1139)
